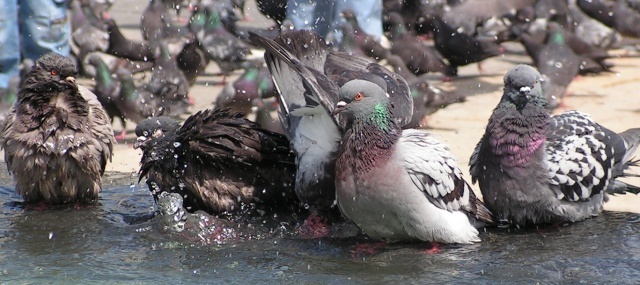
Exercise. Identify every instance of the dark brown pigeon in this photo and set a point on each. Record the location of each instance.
(217, 161)
(458, 48)
(58, 139)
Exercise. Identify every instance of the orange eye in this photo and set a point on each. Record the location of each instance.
(54, 72)
(359, 96)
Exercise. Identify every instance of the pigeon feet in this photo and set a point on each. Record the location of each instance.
(361, 251)
(314, 227)
(432, 248)
(122, 135)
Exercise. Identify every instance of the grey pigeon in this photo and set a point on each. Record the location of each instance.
(223, 47)
(399, 185)
(536, 169)
(134, 103)
(301, 62)
(217, 161)
(107, 88)
(558, 64)
(58, 139)
(168, 83)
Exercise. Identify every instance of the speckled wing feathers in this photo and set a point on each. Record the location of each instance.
(579, 156)
(434, 171)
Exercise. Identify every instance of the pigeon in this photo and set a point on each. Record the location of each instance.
(458, 48)
(135, 103)
(591, 58)
(192, 60)
(427, 99)
(419, 58)
(558, 65)
(120, 46)
(158, 21)
(301, 62)
(399, 185)
(368, 44)
(107, 89)
(89, 32)
(536, 169)
(168, 83)
(253, 85)
(221, 46)
(57, 139)
(217, 161)
(275, 10)
(617, 14)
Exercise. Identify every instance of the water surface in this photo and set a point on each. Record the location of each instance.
(122, 241)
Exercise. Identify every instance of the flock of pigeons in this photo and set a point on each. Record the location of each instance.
(346, 146)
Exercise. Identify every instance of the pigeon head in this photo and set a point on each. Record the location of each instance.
(52, 73)
(364, 100)
(153, 128)
(522, 85)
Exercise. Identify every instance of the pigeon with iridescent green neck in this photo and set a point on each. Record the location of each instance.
(399, 185)
(301, 62)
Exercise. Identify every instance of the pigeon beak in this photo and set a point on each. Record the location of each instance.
(526, 91)
(71, 79)
(139, 142)
(340, 106)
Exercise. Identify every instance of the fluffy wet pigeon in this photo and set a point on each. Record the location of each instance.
(58, 139)
(399, 185)
(301, 62)
(536, 169)
(217, 161)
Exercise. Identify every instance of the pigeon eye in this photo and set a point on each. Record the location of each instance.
(54, 72)
(359, 96)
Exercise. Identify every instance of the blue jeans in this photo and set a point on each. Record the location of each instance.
(323, 16)
(30, 30)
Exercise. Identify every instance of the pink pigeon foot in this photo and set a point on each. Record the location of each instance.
(314, 227)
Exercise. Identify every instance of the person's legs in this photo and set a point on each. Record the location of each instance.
(9, 42)
(368, 13)
(315, 15)
(44, 28)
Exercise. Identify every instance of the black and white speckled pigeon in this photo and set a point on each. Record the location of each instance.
(536, 169)
(300, 62)
(399, 185)
(58, 139)
(217, 161)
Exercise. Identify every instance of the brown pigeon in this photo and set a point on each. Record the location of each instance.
(58, 138)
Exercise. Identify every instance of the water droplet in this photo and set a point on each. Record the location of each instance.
(176, 144)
